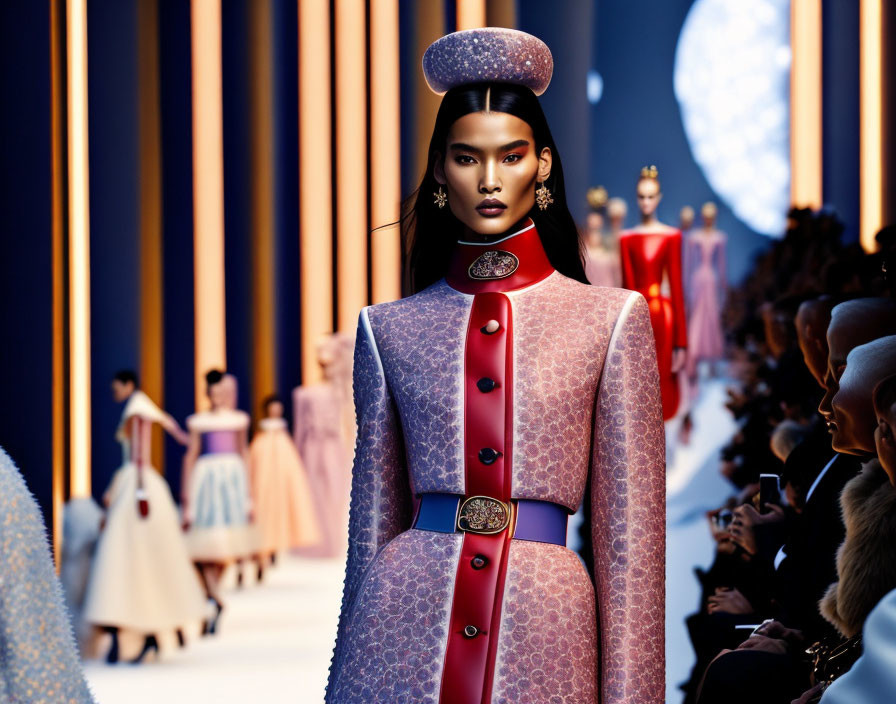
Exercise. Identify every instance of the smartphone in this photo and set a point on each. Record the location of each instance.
(769, 491)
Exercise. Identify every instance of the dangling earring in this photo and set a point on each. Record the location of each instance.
(441, 198)
(543, 197)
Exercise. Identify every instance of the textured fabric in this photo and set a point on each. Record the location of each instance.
(577, 348)
(628, 516)
(38, 659)
(284, 510)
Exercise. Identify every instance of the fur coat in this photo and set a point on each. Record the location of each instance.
(866, 561)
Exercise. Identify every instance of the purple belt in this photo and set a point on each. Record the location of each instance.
(540, 521)
(219, 442)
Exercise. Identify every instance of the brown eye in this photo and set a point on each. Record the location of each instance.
(464, 159)
(512, 158)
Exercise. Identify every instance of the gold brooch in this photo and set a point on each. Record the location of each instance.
(483, 515)
(494, 264)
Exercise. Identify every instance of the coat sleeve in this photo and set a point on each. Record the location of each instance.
(38, 658)
(380, 500)
(628, 513)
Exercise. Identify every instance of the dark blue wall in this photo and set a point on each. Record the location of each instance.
(26, 284)
(114, 217)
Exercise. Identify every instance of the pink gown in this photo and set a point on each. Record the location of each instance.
(320, 438)
(602, 267)
(706, 284)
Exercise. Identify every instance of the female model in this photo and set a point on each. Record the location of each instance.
(651, 265)
(486, 399)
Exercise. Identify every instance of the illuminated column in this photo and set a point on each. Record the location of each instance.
(351, 162)
(78, 250)
(208, 191)
(385, 150)
(57, 139)
(871, 121)
(264, 280)
(151, 281)
(805, 104)
(315, 192)
(470, 14)
(501, 13)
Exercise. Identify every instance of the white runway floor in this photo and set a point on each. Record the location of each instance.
(276, 638)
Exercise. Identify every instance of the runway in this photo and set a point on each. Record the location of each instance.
(276, 638)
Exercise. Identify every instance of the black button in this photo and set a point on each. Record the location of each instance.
(485, 384)
(470, 631)
(487, 455)
(479, 562)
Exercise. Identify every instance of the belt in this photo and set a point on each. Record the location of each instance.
(540, 521)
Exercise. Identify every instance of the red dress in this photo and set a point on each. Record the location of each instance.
(646, 259)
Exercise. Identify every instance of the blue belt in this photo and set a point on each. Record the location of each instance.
(540, 521)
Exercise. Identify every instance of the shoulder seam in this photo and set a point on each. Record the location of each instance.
(620, 321)
(368, 331)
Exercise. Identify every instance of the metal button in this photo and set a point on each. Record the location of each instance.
(470, 631)
(487, 455)
(485, 384)
(490, 328)
(479, 562)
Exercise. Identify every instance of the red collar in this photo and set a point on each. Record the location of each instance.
(516, 261)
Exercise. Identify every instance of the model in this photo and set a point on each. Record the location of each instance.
(705, 254)
(142, 578)
(602, 248)
(651, 265)
(215, 490)
(487, 399)
(284, 511)
(322, 437)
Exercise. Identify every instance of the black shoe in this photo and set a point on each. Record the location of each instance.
(112, 655)
(239, 578)
(149, 644)
(212, 625)
(260, 573)
(181, 641)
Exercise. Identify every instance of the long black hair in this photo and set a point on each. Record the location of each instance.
(430, 233)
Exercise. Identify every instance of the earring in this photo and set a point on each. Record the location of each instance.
(441, 198)
(543, 197)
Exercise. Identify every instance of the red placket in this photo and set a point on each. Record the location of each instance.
(468, 671)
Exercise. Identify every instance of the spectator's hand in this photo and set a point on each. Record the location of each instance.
(776, 629)
(777, 646)
(809, 695)
(746, 518)
(728, 601)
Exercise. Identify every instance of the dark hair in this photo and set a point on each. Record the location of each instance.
(268, 400)
(430, 234)
(126, 376)
(212, 377)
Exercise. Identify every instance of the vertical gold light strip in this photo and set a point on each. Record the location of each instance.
(871, 122)
(264, 281)
(470, 14)
(351, 160)
(430, 25)
(208, 191)
(385, 150)
(315, 190)
(501, 13)
(79, 248)
(805, 104)
(57, 140)
(151, 279)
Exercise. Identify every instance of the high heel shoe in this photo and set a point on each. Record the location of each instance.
(181, 641)
(112, 655)
(211, 625)
(149, 644)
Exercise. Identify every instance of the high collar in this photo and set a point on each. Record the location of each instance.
(525, 250)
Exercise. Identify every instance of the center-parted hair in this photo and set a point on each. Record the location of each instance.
(430, 234)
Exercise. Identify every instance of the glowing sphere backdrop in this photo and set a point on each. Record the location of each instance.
(732, 70)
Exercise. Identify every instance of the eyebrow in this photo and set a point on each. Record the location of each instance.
(460, 146)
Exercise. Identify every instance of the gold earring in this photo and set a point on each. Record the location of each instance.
(441, 198)
(543, 197)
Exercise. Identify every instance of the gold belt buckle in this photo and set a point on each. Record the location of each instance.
(483, 515)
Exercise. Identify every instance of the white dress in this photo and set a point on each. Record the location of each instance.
(219, 504)
(142, 576)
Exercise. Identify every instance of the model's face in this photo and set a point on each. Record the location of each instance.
(649, 196)
(885, 441)
(594, 222)
(275, 409)
(218, 395)
(853, 418)
(121, 390)
(490, 171)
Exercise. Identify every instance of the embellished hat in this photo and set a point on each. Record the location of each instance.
(488, 55)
